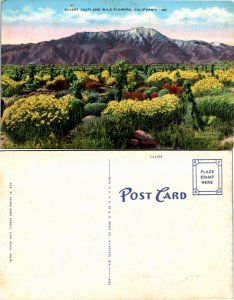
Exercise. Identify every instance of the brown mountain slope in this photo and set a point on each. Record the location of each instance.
(136, 46)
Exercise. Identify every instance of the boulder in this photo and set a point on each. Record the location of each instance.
(145, 140)
(133, 142)
(148, 143)
(89, 118)
(141, 135)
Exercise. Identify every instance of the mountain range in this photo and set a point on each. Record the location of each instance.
(136, 46)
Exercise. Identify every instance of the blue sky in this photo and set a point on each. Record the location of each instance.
(26, 21)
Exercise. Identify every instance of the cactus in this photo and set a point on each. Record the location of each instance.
(191, 116)
(52, 75)
(31, 72)
(212, 70)
(77, 88)
(76, 111)
(120, 71)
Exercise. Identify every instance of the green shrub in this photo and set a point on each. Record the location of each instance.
(151, 90)
(58, 83)
(63, 93)
(92, 97)
(163, 92)
(131, 86)
(181, 137)
(9, 91)
(221, 106)
(94, 109)
(32, 86)
(51, 142)
(142, 89)
(215, 123)
(38, 116)
(102, 133)
(110, 95)
(148, 114)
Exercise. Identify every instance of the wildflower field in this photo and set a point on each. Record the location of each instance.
(102, 106)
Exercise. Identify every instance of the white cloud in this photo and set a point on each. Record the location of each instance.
(46, 14)
(131, 20)
(29, 15)
(82, 17)
(147, 19)
(213, 16)
(207, 16)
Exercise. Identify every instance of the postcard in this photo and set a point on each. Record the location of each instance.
(116, 157)
(116, 225)
(126, 75)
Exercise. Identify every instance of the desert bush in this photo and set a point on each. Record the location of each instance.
(203, 86)
(110, 95)
(110, 81)
(158, 76)
(221, 106)
(215, 123)
(91, 97)
(142, 89)
(184, 138)
(90, 84)
(180, 76)
(81, 75)
(105, 132)
(105, 74)
(151, 90)
(154, 95)
(147, 114)
(31, 86)
(63, 93)
(163, 92)
(38, 116)
(226, 77)
(173, 89)
(11, 87)
(135, 96)
(94, 77)
(94, 109)
(58, 83)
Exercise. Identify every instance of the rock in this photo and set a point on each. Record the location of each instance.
(133, 142)
(145, 140)
(89, 118)
(229, 139)
(148, 143)
(141, 135)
